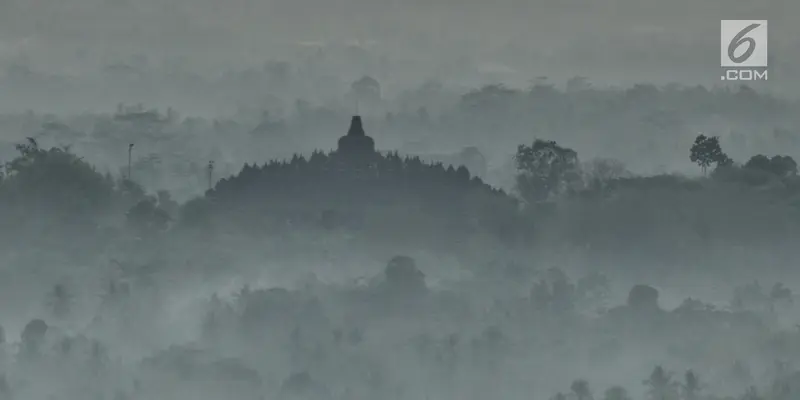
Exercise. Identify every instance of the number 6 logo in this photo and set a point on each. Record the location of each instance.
(739, 40)
(748, 39)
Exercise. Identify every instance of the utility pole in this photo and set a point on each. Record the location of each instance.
(130, 149)
(210, 173)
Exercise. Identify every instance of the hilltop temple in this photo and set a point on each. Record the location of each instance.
(357, 187)
(356, 147)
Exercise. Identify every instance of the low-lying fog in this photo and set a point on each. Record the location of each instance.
(248, 201)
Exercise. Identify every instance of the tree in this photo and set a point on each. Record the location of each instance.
(60, 300)
(598, 173)
(759, 162)
(146, 217)
(707, 151)
(643, 297)
(33, 336)
(593, 288)
(581, 389)
(691, 386)
(495, 99)
(578, 84)
(780, 294)
(751, 394)
(166, 203)
(660, 385)
(55, 181)
(366, 88)
(781, 166)
(555, 293)
(616, 393)
(196, 213)
(545, 169)
(402, 275)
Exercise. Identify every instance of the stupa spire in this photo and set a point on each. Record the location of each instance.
(356, 128)
(356, 145)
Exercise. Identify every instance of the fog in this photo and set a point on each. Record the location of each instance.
(179, 52)
(345, 200)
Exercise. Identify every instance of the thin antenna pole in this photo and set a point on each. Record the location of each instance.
(210, 173)
(130, 150)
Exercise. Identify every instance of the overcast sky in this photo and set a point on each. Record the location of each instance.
(660, 40)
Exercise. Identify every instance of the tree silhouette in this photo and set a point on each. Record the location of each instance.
(60, 300)
(784, 166)
(707, 151)
(660, 385)
(402, 275)
(691, 386)
(751, 394)
(781, 166)
(581, 390)
(146, 217)
(38, 175)
(545, 169)
(616, 393)
(33, 336)
(644, 297)
(780, 294)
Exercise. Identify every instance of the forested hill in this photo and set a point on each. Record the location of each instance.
(331, 190)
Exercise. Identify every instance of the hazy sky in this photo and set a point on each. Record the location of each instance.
(610, 39)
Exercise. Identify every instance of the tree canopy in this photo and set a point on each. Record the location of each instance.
(545, 169)
(707, 151)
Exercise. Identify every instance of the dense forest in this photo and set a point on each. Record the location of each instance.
(495, 243)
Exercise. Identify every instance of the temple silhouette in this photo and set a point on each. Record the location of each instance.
(356, 147)
(355, 185)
